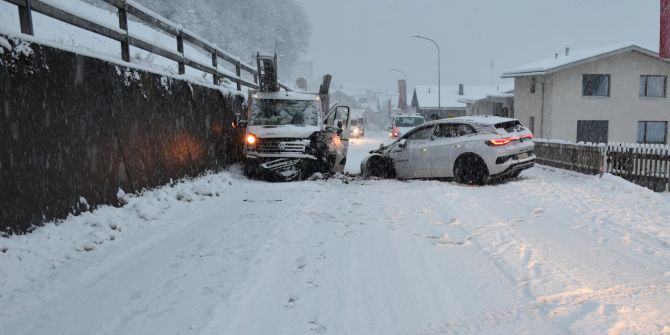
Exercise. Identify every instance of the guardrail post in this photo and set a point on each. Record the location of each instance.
(26, 17)
(123, 24)
(238, 72)
(180, 49)
(216, 67)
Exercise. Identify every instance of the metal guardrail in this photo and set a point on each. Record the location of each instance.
(129, 7)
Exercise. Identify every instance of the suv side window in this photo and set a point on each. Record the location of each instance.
(425, 133)
(454, 130)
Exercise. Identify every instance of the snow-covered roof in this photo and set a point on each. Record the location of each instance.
(575, 57)
(500, 91)
(427, 95)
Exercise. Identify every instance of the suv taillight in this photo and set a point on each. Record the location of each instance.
(496, 142)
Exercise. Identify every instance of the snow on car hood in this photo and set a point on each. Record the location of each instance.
(286, 131)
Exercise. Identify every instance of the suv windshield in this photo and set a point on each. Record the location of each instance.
(408, 121)
(277, 112)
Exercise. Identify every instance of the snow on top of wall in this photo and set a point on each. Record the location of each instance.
(16, 48)
(226, 87)
(610, 144)
(57, 34)
(574, 57)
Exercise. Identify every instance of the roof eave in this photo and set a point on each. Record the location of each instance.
(523, 74)
(582, 61)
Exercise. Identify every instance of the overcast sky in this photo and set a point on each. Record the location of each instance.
(358, 41)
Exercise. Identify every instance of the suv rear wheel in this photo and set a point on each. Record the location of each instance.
(471, 170)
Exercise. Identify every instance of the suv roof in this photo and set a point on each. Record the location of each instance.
(481, 119)
(408, 115)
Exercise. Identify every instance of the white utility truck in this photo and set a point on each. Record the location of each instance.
(289, 135)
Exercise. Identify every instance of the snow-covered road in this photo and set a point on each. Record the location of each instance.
(552, 253)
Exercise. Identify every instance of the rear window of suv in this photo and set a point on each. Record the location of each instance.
(510, 126)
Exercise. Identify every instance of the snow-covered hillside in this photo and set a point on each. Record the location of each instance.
(552, 253)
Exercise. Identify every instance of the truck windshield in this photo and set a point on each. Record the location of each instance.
(277, 112)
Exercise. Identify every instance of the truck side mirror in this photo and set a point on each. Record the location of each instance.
(238, 122)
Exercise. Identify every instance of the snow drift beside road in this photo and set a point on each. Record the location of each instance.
(554, 252)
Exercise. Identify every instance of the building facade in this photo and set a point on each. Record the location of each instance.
(610, 94)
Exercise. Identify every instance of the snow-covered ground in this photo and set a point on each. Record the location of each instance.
(554, 252)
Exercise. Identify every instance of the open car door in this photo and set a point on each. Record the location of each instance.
(337, 122)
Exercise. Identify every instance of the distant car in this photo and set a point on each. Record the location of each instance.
(469, 149)
(403, 124)
(357, 127)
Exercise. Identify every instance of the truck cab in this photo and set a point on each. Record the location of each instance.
(289, 136)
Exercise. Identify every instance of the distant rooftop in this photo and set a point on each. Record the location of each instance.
(505, 90)
(427, 95)
(575, 57)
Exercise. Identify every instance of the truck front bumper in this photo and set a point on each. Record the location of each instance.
(259, 155)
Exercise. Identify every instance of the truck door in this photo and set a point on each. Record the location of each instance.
(338, 121)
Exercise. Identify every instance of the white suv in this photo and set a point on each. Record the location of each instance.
(470, 149)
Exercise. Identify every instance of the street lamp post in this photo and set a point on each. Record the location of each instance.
(439, 80)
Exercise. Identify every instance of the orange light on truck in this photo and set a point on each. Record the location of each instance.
(251, 139)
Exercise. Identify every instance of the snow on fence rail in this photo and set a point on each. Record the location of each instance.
(146, 16)
(647, 165)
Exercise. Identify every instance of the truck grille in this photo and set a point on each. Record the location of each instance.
(274, 146)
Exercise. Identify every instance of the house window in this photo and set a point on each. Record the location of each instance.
(533, 85)
(594, 131)
(596, 85)
(531, 124)
(653, 86)
(652, 132)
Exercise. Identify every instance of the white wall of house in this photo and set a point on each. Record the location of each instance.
(564, 103)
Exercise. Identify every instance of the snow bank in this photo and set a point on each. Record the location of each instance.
(25, 258)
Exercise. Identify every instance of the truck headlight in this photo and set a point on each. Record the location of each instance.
(251, 139)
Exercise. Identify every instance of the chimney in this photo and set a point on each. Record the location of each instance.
(567, 51)
(460, 89)
(664, 49)
(402, 99)
(556, 55)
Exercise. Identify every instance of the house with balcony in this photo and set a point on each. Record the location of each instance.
(615, 93)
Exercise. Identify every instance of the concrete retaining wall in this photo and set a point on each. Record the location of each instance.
(74, 127)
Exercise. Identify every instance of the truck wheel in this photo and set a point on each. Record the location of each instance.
(250, 169)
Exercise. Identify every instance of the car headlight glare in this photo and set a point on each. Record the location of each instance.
(251, 139)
